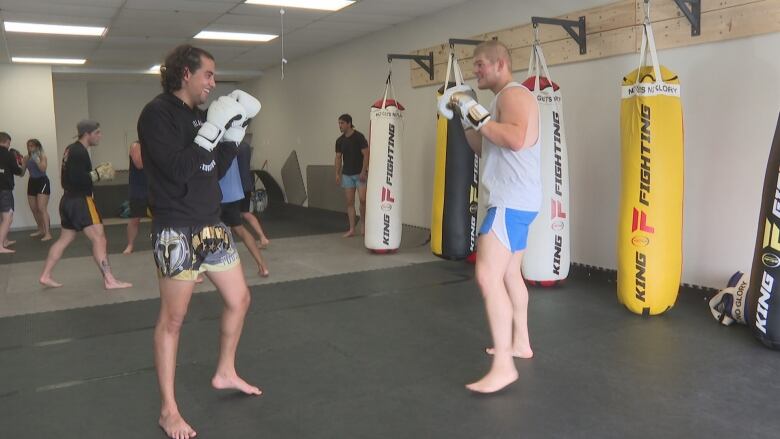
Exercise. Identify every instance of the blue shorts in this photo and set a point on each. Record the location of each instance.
(351, 181)
(510, 226)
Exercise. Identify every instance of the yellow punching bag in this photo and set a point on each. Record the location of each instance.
(651, 201)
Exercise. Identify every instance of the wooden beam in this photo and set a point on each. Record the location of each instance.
(615, 29)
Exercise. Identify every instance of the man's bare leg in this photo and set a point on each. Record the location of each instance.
(6, 218)
(235, 295)
(254, 224)
(249, 241)
(492, 261)
(349, 193)
(132, 233)
(174, 300)
(518, 294)
(55, 253)
(97, 236)
(362, 199)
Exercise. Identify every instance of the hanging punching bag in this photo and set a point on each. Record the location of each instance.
(651, 204)
(383, 190)
(455, 185)
(548, 254)
(763, 311)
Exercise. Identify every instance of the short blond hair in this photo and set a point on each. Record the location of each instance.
(494, 50)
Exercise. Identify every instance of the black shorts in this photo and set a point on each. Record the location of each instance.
(38, 186)
(246, 202)
(78, 212)
(182, 253)
(6, 201)
(139, 208)
(231, 213)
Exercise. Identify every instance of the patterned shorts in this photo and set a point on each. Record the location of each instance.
(184, 252)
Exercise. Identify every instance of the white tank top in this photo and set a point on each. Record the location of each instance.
(512, 178)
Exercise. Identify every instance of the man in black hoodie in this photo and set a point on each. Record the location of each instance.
(10, 164)
(185, 152)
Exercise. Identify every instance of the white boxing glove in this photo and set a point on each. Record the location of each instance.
(251, 105)
(463, 98)
(221, 115)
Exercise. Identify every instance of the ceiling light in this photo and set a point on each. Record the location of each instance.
(21, 59)
(34, 28)
(154, 69)
(234, 36)
(324, 5)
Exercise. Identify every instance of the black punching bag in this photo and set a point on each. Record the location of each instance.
(763, 309)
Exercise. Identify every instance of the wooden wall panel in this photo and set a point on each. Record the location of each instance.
(615, 29)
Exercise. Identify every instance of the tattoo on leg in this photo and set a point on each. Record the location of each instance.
(104, 267)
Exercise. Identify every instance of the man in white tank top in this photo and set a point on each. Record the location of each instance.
(507, 139)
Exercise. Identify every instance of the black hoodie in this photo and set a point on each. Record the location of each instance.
(183, 177)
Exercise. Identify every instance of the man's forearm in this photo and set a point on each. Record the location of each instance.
(365, 161)
(474, 138)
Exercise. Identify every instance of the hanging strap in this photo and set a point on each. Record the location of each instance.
(543, 63)
(538, 65)
(389, 87)
(456, 71)
(533, 68)
(452, 63)
(449, 66)
(648, 41)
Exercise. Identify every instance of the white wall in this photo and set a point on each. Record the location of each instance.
(27, 111)
(116, 107)
(728, 130)
(71, 105)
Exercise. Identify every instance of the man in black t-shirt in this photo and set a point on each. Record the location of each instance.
(77, 208)
(352, 169)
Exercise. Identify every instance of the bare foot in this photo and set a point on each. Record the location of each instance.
(115, 284)
(349, 233)
(9, 243)
(46, 238)
(495, 380)
(516, 352)
(49, 282)
(127, 250)
(175, 427)
(6, 250)
(36, 233)
(221, 382)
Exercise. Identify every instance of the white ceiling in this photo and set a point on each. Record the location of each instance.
(141, 32)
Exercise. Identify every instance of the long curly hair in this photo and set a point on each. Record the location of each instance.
(179, 60)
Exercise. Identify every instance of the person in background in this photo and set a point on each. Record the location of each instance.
(77, 207)
(11, 163)
(139, 206)
(352, 157)
(248, 184)
(38, 188)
